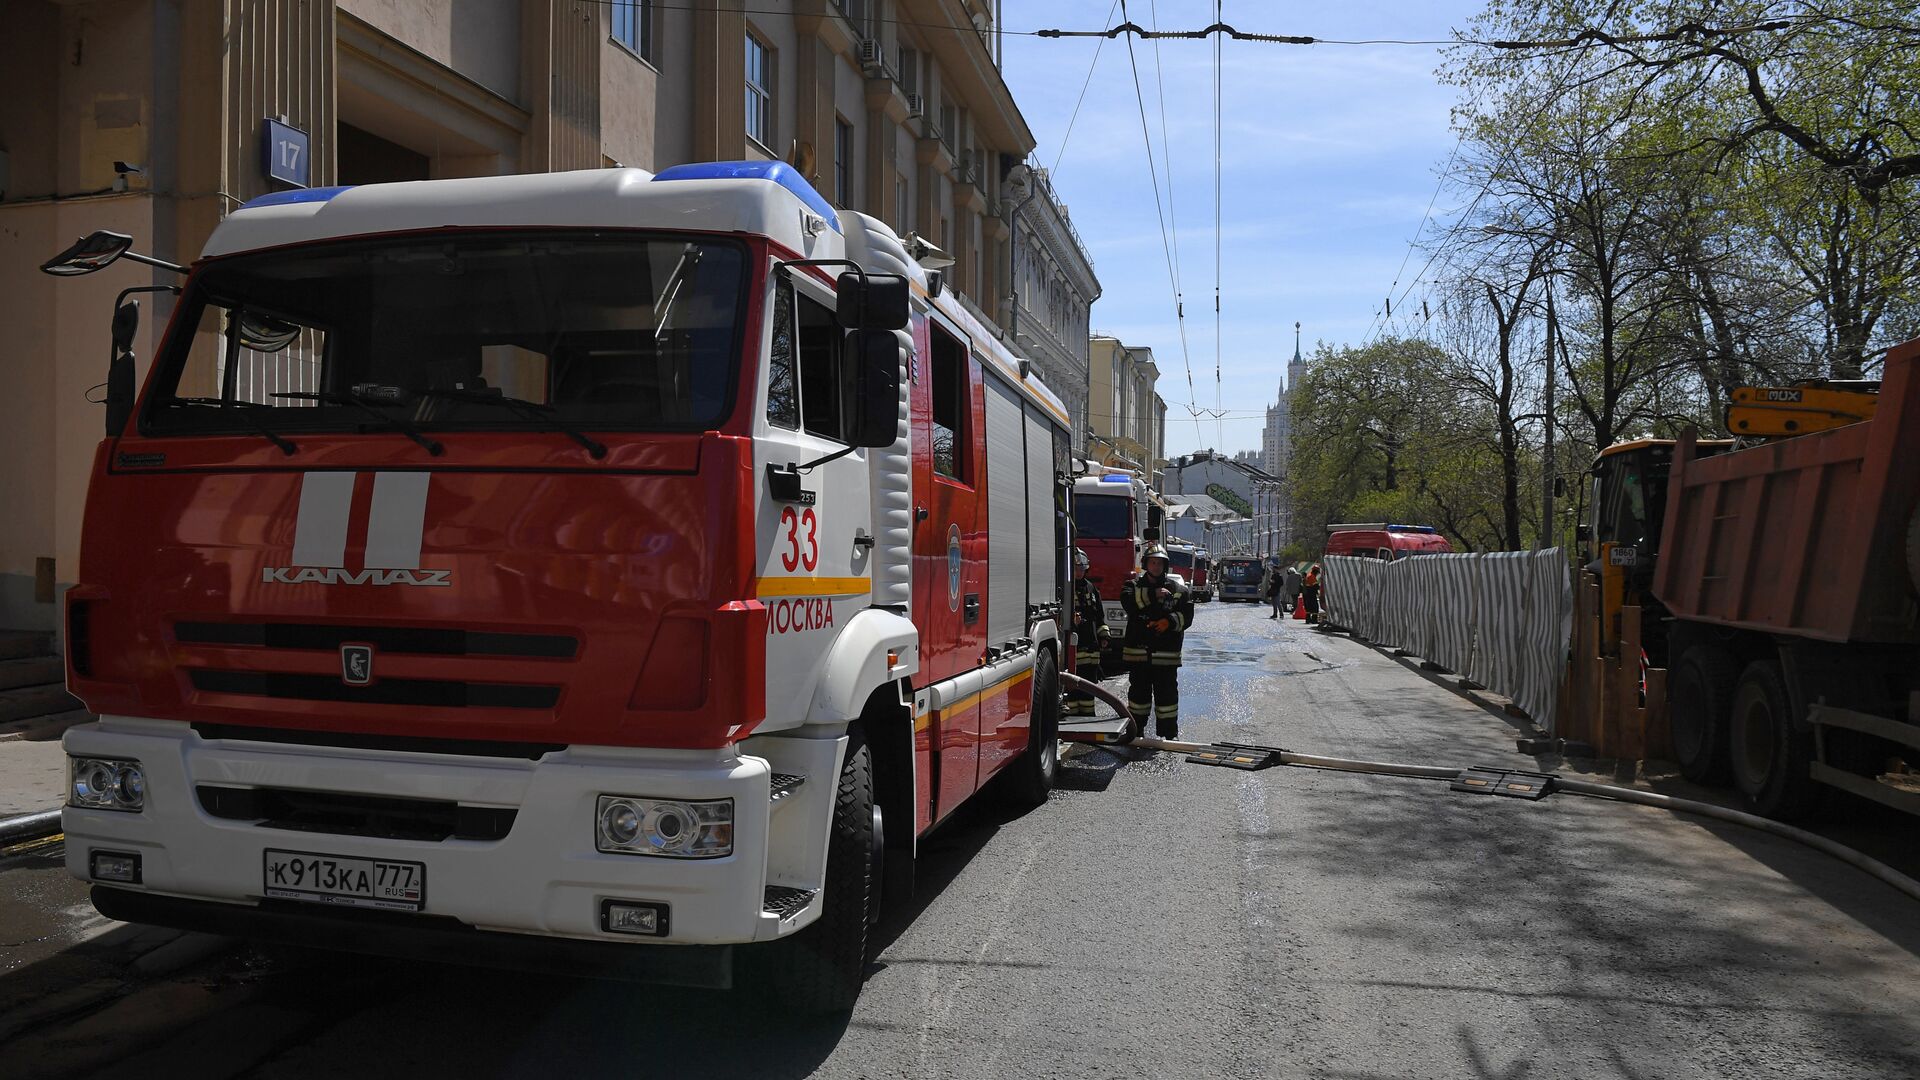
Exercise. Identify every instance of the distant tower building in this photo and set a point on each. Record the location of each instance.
(1277, 440)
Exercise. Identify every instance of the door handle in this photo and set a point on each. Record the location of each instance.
(973, 607)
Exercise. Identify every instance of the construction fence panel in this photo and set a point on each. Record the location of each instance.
(1502, 619)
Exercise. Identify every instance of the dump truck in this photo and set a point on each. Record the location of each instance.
(1791, 574)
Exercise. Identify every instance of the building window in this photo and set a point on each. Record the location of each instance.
(856, 13)
(909, 71)
(759, 91)
(633, 25)
(903, 206)
(842, 163)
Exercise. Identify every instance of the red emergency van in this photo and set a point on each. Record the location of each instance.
(1383, 541)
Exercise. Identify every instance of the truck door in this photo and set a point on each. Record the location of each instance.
(949, 562)
(812, 576)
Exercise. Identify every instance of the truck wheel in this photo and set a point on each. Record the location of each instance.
(1699, 705)
(1030, 777)
(820, 969)
(1769, 757)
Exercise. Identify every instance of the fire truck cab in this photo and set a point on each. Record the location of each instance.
(601, 571)
(1110, 522)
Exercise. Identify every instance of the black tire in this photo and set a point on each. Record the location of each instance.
(820, 969)
(1028, 780)
(1769, 754)
(1700, 703)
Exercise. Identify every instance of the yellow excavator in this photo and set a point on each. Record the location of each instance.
(1780, 412)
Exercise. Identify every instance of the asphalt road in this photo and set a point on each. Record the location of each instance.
(1162, 919)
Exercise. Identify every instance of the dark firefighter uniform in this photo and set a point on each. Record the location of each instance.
(1159, 609)
(1090, 634)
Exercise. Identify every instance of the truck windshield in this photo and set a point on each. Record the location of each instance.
(1241, 573)
(1103, 517)
(599, 330)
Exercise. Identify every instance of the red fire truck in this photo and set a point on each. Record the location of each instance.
(1111, 517)
(596, 571)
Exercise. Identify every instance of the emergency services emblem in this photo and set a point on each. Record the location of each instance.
(953, 568)
(356, 664)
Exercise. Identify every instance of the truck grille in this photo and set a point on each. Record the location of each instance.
(443, 693)
(424, 641)
(403, 744)
(356, 815)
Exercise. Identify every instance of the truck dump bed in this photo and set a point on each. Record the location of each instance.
(1805, 536)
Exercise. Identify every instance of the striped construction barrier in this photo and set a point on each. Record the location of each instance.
(1502, 619)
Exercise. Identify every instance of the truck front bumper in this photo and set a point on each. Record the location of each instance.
(543, 877)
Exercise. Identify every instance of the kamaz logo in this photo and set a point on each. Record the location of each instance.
(317, 575)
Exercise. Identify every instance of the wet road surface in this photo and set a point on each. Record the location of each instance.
(1153, 919)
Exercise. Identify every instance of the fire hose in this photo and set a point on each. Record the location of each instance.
(1257, 757)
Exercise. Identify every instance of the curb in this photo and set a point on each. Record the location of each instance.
(16, 830)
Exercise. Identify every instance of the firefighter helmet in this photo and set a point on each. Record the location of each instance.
(1157, 552)
(1080, 560)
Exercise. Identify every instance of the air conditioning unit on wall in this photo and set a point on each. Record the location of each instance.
(916, 105)
(873, 57)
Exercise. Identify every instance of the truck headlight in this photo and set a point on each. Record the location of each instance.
(674, 828)
(106, 784)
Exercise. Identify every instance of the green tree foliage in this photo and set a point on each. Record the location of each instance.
(1706, 193)
(1381, 434)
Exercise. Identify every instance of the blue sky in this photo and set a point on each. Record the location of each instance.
(1330, 157)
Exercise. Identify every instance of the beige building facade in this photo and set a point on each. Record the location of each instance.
(1128, 417)
(156, 118)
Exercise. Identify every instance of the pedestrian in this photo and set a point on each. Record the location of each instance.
(1272, 588)
(1290, 591)
(1159, 609)
(1090, 634)
(1310, 592)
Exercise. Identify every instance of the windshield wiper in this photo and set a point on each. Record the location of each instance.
(532, 410)
(403, 427)
(670, 292)
(244, 411)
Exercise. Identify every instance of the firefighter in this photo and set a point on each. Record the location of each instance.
(1090, 634)
(1159, 609)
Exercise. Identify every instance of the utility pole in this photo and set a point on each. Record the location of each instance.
(1547, 531)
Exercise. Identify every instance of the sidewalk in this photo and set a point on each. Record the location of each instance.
(33, 768)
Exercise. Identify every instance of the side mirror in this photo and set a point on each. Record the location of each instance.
(126, 320)
(875, 357)
(876, 302)
(95, 251)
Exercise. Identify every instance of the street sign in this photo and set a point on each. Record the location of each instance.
(283, 151)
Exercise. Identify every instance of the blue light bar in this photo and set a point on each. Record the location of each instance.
(1115, 478)
(777, 171)
(1412, 528)
(299, 195)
